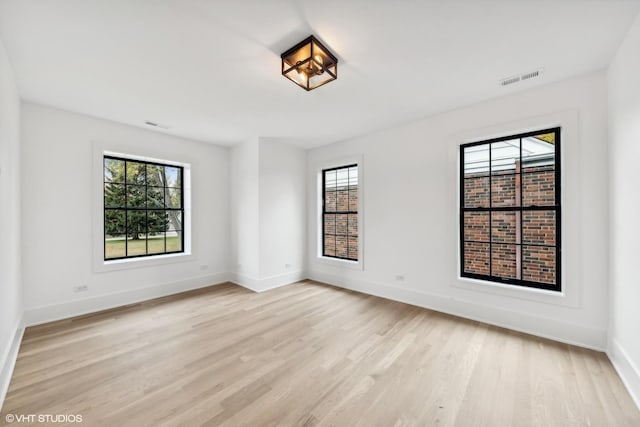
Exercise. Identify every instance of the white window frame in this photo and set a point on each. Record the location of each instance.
(571, 292)
(99, 263)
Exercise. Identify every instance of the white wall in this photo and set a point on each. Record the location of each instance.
(282, 209)
(59, 219)
(410, 179)
(624, 139)
(268, 208)
(10, 288)
(244, 206)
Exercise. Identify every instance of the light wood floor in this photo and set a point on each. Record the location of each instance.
(304, 355)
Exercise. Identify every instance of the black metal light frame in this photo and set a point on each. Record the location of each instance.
(336, 213)
(556, 207)
(145, 209)
(311, 40)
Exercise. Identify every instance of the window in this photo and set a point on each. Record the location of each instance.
(143, 208)
(340, 212)
(510, 210)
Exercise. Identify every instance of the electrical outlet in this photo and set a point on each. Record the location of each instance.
(81, 288)
(400, 277)
(287, 266)
(204, 267)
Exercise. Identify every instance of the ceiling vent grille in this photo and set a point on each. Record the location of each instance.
(521, 77)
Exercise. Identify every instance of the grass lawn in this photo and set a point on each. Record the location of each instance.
(117, 249)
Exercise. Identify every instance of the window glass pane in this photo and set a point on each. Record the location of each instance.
(503, 226)
(538, 187)
(538, 152)
(341, 224)
(114, 195)
(352, 251)
(476, 160)
(352, 225)
(505, 156)
(539, 264)
(114, 222)
(329, 224)
(342, 178)
(157, 221)
(155, 243)
(341, 246)
(476, 258)
(175, 220)
(353, 198)
(136, 224)
(476, 192)
(353, 176)
(330, 200)
(330, 179)
(136, 196)
(329, 245)
(173, 176)
(539, 227)
(503, 261)
(137, 246)
(113, 170)
(136, 173)
(114, 247)
(155, 175)
(476, 226)
(155, 197)
(173, 198)
(343, 199)
(505, 189)
(174, 241)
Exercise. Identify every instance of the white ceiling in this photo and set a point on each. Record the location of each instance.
(211, 69)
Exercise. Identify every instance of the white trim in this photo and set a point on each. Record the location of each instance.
(268, 283)
(318, 168)
(544, 327)
(49, 313)
(100, 149)
(9, 362)
(626, 369)
(571, 293)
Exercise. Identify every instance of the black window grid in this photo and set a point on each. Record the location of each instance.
(555, 207)
(126, 208)
(348, 212)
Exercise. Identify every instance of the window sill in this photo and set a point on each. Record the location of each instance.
(340, 263)
(513, 291)
(124, 264)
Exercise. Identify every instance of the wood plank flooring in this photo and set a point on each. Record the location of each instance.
(304, 355)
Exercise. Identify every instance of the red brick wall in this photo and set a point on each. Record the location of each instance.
(508, 253)
(341, 229)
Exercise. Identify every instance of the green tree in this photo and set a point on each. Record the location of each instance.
(141, 186)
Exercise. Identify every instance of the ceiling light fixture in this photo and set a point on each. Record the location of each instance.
(309, 64)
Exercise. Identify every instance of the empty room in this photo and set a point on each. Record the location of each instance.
(319, 213)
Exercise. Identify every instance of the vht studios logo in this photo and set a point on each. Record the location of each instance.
(43, 418)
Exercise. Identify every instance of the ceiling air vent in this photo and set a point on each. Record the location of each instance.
(521, 77)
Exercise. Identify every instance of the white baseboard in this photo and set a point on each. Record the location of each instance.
(9, 361)
(540, 326)
(626, 369)
(261, 285)
(49, 313)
